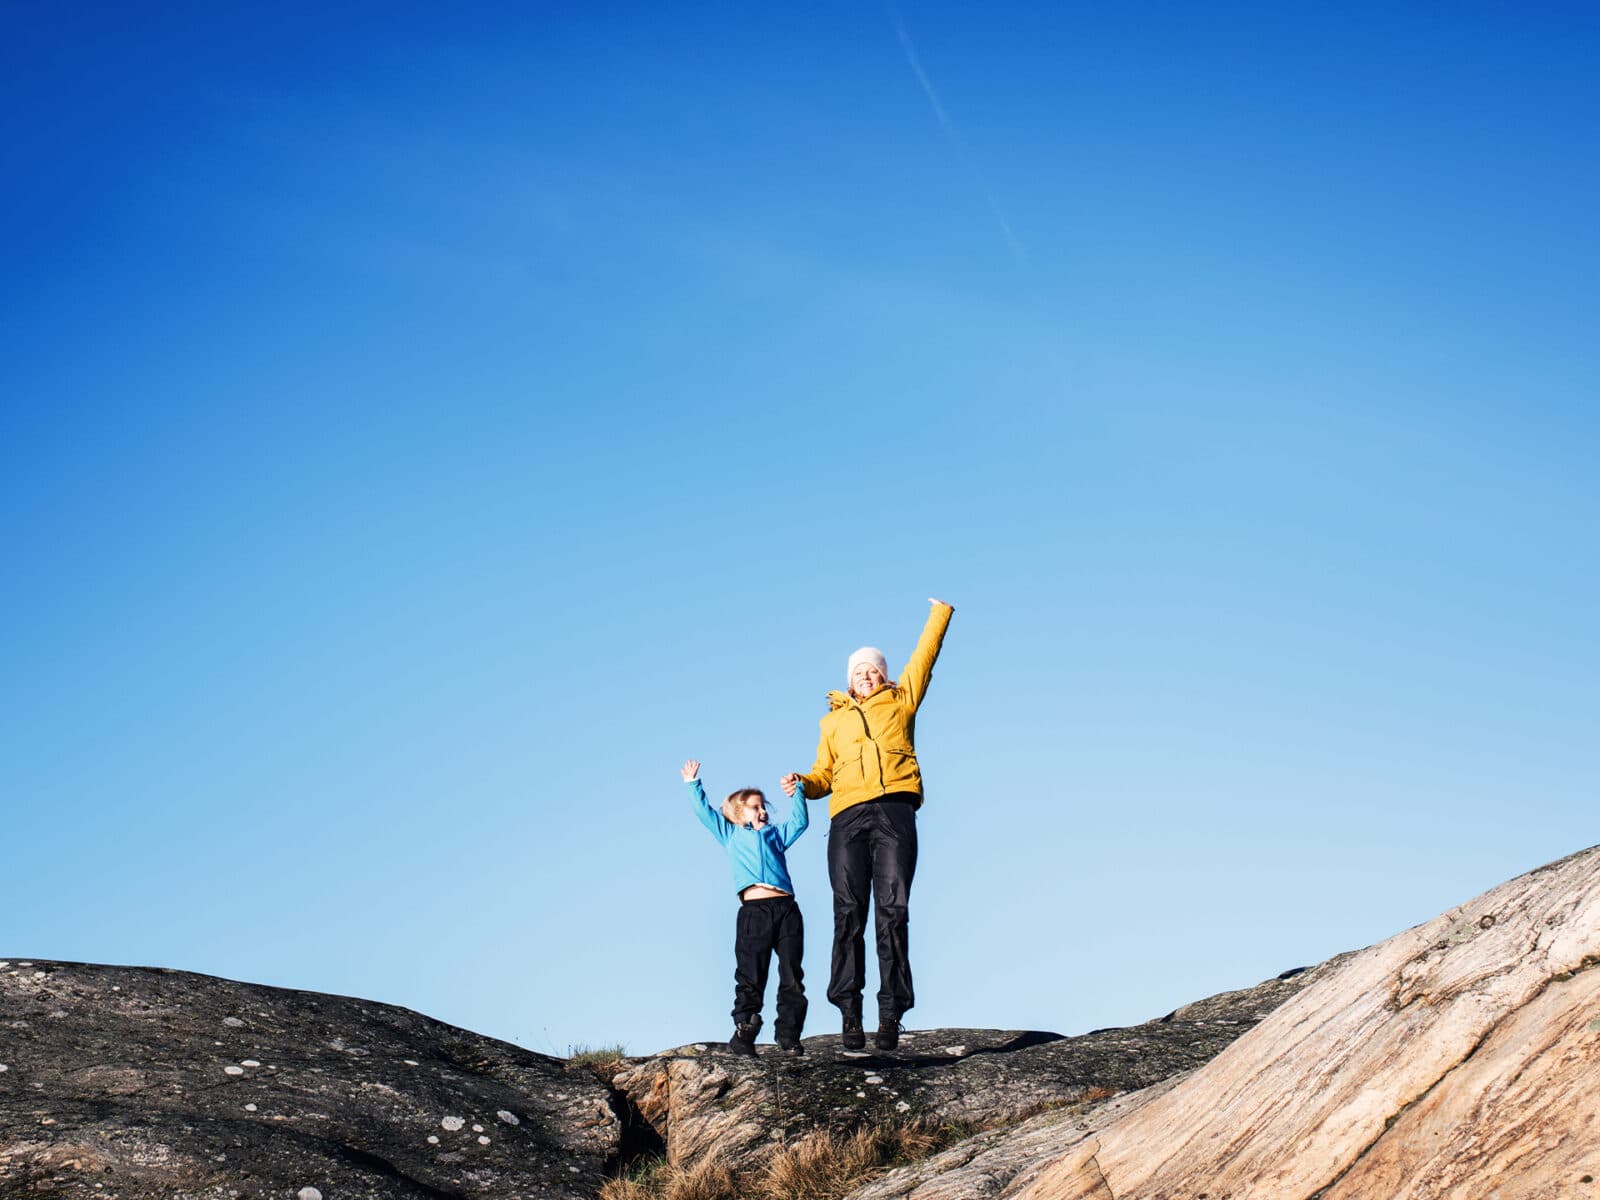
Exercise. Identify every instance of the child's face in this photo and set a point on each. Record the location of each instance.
(755, 811)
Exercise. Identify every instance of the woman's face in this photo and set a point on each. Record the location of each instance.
(866, 679)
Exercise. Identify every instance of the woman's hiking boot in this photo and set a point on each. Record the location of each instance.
(853, 1037)
(888, 1035)
(743, 1040)
(790, 1045)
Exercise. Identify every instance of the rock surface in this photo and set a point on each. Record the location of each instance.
(1457, 1059)
(132, 1083)
(701, 1099)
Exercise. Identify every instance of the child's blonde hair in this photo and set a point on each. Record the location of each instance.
(733, 806)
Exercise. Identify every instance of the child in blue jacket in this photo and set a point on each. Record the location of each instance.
(769, 918)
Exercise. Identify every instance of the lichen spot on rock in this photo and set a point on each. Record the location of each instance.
(3, 1067)
(232, 1070)
(410, 1062)
(453, 1123)
(483, 1141)
(233, 1022)
(308, 1193)
(248, 1062)
(510, 1118)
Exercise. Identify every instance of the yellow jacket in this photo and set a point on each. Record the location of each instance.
(868, 747)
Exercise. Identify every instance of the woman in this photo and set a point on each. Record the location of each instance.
(867, 759)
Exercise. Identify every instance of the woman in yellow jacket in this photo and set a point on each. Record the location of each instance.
(867, 760)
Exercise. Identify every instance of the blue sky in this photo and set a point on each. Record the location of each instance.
(421, 431)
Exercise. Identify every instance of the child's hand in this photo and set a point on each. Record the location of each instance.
(788, 783)
(691, 768)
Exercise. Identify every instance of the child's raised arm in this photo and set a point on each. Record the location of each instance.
(709, 817)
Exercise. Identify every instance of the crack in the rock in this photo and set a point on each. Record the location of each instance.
(1094, 1161)
(1588, 963)
(637, 1138)
(382, 1166)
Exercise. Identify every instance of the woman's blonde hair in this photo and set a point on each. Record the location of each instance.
(733, 806)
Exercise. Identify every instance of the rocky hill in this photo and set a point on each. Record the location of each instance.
(1453, 1060)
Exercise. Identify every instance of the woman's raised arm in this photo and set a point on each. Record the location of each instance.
(914, 679)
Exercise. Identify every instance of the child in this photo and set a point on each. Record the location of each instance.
(769, 919)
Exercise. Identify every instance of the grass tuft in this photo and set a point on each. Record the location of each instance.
(660, 1180)
(595, 1057)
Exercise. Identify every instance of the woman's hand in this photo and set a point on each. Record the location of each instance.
(691, 768)
(788, 783)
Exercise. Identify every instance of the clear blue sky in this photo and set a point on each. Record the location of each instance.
(423, 428)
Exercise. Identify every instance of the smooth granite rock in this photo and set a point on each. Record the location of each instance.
(130, 1082)
(1455, 1060)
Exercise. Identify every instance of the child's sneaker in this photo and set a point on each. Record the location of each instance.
(743, 1040)
(853, 1037)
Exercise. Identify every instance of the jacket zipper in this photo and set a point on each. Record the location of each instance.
(867, 729)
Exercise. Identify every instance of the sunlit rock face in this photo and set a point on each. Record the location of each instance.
(1458, 1059)
(138, 1083)
(703, 1101)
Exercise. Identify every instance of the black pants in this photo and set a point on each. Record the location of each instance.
(872, 851)
(765, 926)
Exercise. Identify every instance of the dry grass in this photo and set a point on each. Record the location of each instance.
(708, 1180)
(819, 1166)
(600, 1059)
(824, 1166)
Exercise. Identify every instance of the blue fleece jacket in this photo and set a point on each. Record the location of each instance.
(756, 855)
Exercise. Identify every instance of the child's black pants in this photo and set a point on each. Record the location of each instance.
(764, 926)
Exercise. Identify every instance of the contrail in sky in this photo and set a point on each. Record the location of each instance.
(954, 134)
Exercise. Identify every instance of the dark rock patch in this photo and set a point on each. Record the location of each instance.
(133, 1082)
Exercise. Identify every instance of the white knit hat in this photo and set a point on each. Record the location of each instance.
(867, 654)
